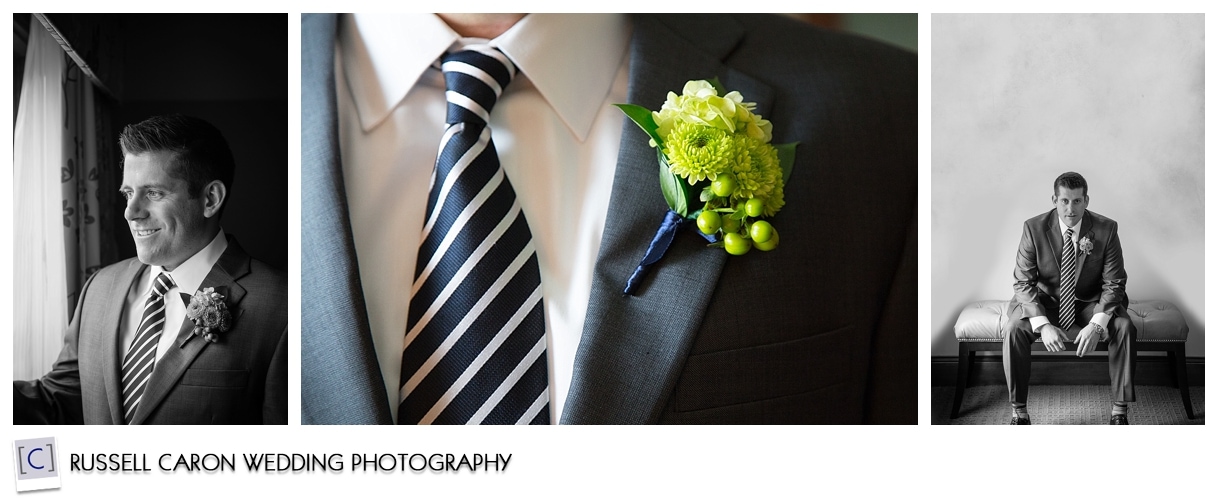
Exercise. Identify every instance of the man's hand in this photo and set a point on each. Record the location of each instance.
(1053, 337)
(1088, 338)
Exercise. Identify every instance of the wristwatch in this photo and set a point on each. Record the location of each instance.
(1101, 330)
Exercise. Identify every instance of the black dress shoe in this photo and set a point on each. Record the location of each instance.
(1027, 421)
(1119, 419)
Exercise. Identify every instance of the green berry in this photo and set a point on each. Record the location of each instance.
(709, 222)
(769, 244)
(754, 207)
(723, 185)
(736, 244)
(730, 225)
(761, 231)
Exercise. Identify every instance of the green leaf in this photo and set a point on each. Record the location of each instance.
(690, 195)
(786, 159)
(674, 188)
(718, 86)
(706, 195)
(641, 116)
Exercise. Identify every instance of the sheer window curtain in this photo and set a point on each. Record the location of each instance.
(56, 235)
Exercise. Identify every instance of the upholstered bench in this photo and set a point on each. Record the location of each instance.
(1160, 325)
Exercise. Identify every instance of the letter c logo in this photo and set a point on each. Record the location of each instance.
(31, 454)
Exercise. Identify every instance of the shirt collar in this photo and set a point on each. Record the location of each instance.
(190, 274)
(1061, 227)
(571, 59)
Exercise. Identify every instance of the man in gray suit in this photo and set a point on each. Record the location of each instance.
(821, 330)
(136, 351)
(1069, 288)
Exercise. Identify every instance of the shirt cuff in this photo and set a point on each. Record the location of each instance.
(1101, 319)
(1038, 321)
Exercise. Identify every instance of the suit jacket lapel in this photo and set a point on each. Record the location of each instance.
(633, 347)
(112, 359)
(1084, 230)
(232, 265)
(1055, 243)
(342, 382)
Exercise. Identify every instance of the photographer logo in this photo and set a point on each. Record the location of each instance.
(36, 464)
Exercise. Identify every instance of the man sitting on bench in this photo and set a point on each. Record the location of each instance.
(1069, 268)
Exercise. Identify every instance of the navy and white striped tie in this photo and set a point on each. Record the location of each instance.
(1069, 279)
(141, 355)
(475, 347)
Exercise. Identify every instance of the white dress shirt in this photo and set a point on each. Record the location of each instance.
(556, 132)
(187, 277)
(1100, 318)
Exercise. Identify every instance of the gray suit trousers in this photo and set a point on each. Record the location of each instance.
(1017, 353)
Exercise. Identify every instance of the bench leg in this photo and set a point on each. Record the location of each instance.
(964, 364)
(1175, 374)
(1177, 353)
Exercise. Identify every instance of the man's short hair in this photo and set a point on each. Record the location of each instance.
(202, 154)
(1070, 180)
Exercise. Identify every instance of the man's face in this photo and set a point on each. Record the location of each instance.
(1071, 203)
(167, 224)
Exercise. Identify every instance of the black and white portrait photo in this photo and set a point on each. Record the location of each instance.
(1068, 196)
(150, 206)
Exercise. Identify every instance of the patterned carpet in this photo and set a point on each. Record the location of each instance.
(1066, 404)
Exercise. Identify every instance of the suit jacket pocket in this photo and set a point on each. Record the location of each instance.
(765, 371)
(215, 378)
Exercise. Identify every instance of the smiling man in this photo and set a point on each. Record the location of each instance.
(170, 218)
(1069, 287)
(192, 330)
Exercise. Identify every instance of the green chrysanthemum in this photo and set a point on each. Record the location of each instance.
(698, 152)
(774, 201)
(756, 167)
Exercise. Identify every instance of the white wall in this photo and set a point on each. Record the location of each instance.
(1017, 100)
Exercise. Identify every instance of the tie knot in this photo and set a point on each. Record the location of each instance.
(162, 284)
(1069, 233)
(475, 78)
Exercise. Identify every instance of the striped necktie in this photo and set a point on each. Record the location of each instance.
(475, 347)
(141, 356)
(1069, 279)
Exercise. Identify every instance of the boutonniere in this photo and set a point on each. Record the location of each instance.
(717, 167)
(1085, 245)
(209, 313)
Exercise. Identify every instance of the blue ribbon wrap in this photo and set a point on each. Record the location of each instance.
(672, 223)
